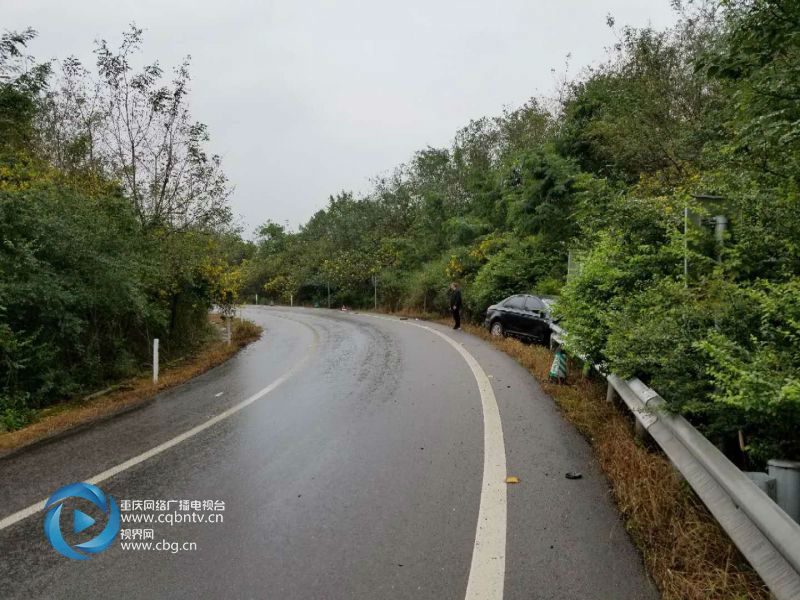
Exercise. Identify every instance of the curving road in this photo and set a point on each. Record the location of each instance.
(358, 456)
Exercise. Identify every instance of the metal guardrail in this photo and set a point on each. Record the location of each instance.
(767, 537)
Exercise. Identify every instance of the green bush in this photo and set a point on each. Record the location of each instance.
(613, 270)
(84, 289)
(519, 267)
(755, 373)
(72, 279)
(426, 288)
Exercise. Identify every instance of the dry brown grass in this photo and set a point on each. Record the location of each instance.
(62, 417)
(686, 552)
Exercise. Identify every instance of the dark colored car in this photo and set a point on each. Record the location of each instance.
(523, 316)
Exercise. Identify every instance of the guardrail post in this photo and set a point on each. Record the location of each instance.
(611, 393)
(787, 476)
(765, 483)
(639, 429)
(155, 360)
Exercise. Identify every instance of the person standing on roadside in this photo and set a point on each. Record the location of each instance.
(455, 304)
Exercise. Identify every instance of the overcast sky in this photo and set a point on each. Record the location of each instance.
(306, 98)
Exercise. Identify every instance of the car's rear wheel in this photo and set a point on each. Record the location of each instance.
(497, 329)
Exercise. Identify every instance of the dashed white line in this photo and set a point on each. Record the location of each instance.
(36, 507)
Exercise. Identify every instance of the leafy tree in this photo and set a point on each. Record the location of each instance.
(140, 132)
(19, 89)
(111, 225)
(539, 189)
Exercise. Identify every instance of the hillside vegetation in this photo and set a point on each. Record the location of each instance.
(114, 226)
(621, 176)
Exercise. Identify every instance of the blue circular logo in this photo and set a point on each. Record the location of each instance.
(52, 521)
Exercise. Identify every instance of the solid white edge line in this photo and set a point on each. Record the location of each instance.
(36, 507)
(487, 571)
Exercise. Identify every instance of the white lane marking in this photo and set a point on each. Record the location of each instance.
(487, 571)
(36, 507)
(217, 395)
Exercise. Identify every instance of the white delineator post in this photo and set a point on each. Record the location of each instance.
(155, 360)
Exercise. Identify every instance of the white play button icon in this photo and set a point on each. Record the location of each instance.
(81, 521)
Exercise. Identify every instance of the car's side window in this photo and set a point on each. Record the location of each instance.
(515, 302)
(533, 305)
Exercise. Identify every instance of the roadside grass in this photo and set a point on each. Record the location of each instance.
(686, 552)
(55, 420)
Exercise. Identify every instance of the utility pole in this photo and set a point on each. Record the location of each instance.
(686, 246)
(329, 294)
(720, 227)
(375, 283)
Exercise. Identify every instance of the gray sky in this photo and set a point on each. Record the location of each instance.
(306, 98)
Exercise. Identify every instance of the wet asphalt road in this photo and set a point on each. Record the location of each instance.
(358, 477)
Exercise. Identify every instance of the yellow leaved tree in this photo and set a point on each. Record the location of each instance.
(225, 284)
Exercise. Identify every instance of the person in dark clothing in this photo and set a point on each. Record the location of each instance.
(455, 304)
